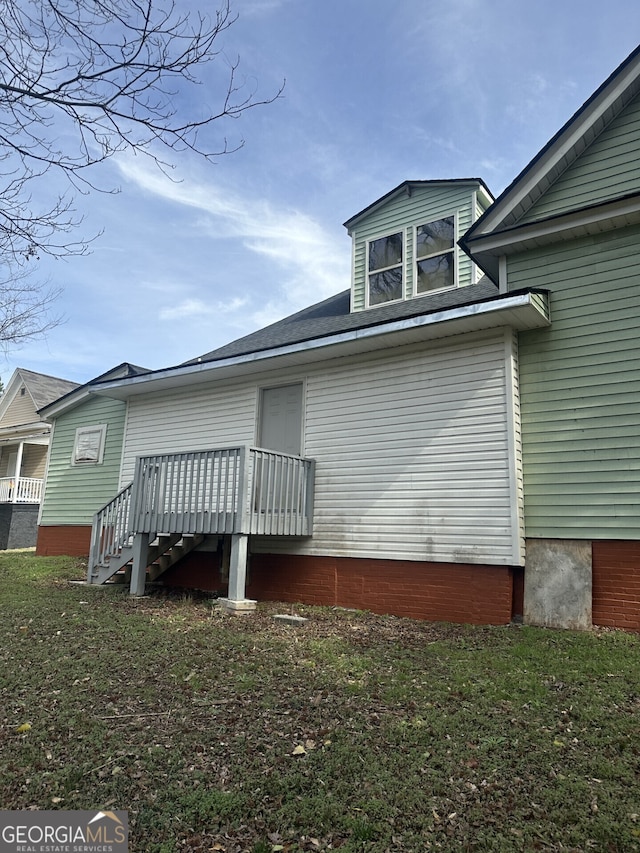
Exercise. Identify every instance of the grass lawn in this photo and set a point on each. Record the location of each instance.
(353, 732)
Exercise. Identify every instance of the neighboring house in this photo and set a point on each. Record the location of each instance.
(455, 438)
(24, 439)
(84, 464)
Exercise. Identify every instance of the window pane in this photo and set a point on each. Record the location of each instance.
(385, 286)
(435, 273)
(434, 237)
(385, 252)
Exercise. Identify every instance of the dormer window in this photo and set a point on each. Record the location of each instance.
(384, 264)
(405, 244)
(435, 256)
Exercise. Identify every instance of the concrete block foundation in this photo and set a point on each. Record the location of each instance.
(18, 525)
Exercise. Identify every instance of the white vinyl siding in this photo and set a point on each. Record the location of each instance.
(199, 419)
(411, 448)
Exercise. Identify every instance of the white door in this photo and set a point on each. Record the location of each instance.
(281, 419)
(279, 429)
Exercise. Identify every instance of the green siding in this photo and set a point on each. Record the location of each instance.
(74, 493)
(609, 168)
(404, 212)
(580, 389)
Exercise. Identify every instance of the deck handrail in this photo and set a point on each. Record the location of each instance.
(224, 490)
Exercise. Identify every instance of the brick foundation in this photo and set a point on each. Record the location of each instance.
(449, 592)
(616, 584)
(198, 570)
(446, 592)
(70, 540)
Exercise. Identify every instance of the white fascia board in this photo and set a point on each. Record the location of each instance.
(71, 399)
(34, 433)
(499, 242)
(55, 409)
(577, 128)
(362, 339)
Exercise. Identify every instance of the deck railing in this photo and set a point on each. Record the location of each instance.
(111, 529)
(222, 491)
(22, 490)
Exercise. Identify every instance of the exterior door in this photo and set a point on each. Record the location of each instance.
(280, 425)
(280, 430)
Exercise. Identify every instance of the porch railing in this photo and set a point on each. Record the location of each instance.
(23, 490)
(222, 491)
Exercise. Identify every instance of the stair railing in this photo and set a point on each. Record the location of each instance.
(111, 530)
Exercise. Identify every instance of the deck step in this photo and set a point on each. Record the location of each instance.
(114, 563)
(174, 554)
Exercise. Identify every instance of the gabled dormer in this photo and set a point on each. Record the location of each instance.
(405, 245)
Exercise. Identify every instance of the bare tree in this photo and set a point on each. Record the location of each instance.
(80, 81)
(26, 308)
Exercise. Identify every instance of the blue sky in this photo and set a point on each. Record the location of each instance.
(377, 91)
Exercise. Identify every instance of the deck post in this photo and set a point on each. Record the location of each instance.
(236, 601)
(138, 570)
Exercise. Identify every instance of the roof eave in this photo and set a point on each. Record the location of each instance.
(407, 186)
(485, 249)
(616, 91)
(518, 310)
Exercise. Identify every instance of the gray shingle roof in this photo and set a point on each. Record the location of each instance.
(333, 316)
(44, 389)
(121, 371)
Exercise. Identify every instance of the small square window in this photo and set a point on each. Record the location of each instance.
(88, 448)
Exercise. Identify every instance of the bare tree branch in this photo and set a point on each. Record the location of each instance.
(80, 81)
(26, 309)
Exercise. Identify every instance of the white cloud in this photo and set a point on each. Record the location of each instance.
(303, 262)
(201, 309)
(258, 7)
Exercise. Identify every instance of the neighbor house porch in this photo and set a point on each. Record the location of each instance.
(21, 468)
(22, 465)
(176, 500)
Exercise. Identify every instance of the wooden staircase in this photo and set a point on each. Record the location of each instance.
(163, 552)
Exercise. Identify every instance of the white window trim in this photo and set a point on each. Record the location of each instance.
(416, 259)
(403, 266)
(101, 430)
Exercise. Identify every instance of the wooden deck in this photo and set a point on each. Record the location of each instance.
(235, 491)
